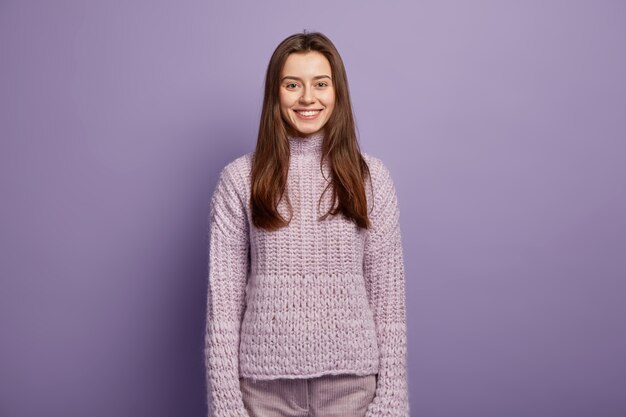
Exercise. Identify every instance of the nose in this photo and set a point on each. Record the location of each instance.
(307, 96)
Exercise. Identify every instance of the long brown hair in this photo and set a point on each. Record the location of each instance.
(270, 164)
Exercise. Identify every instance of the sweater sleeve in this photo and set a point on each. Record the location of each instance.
(383, 267)
(228, 267)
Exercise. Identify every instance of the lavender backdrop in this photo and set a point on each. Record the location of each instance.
(503, 124)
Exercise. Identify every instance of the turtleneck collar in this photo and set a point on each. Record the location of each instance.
(311, 144)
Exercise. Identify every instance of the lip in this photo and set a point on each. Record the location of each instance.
(297, 111)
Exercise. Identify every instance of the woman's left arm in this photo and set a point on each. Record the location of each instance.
(383, 266)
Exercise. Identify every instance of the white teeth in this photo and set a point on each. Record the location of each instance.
(309, 113)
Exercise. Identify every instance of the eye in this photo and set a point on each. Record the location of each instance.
(322, 84)
(290, 85)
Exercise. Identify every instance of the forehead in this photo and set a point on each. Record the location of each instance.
(306, 65)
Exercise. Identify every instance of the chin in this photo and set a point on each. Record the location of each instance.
(307, 130)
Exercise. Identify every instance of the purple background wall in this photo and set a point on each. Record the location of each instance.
(502, 123)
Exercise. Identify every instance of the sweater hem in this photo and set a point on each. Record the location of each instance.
(309, 375)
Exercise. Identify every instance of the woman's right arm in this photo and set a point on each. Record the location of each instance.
(228, 265)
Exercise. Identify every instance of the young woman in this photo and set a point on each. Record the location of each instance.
(306, 299)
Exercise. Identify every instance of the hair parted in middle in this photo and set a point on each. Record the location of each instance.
(340, 148)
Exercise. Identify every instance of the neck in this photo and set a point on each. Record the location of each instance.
(311, 144)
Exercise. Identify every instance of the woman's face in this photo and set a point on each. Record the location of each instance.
(307, 93)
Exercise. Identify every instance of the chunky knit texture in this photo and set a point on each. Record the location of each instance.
(313, 298)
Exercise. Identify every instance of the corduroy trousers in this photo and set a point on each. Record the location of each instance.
(343, 395)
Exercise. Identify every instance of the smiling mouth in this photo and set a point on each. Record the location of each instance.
(308, 113)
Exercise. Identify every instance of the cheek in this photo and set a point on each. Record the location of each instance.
(284, 106)
(329, 99)
(330, 104)
(286, 102)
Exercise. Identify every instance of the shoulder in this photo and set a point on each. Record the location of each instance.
(379, 171)
(381, 190)
(238, 170)
(240, 166)
(234, 177)
(372, 160)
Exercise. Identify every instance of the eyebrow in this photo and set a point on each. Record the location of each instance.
(317, 77)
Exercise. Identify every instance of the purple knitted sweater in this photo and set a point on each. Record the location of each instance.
(313, 298)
